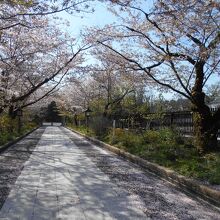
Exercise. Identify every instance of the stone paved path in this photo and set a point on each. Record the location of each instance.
(67, 178)
(60, 182)
(12, 161)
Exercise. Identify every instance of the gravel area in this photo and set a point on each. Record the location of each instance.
(157, 198)
(12, 161)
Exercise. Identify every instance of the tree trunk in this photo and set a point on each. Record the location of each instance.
(11, 112)
(205, 127)
(106, 109)
(76, 120)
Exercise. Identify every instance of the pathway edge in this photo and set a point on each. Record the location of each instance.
(10, 143)
(185, 184)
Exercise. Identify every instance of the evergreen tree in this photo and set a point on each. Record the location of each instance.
(52, 114)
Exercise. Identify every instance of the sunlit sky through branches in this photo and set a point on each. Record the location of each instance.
(101, 17)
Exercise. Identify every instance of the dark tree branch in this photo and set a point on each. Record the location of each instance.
(211, 72)
(147, 16)
(13, 25)
(45, 13)
(178, 78)
(118, 100)
(147, 71)
(47, 93)
(148, 38)
(32, 84)
(214, 42)
(23, 97)
(187, 57)
(195, 40)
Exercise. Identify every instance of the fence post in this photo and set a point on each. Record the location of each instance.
(113, 131)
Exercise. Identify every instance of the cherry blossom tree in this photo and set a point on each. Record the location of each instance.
(114, 78)
(33, 52)
(102, 85)
(17, 12)
(31, 58)
(176, 45)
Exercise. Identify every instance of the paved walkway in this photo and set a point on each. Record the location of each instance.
(12, 161)
(60, 182)
(65, 179)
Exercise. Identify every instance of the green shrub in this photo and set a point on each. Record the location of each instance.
(9, 128)
(215, 175)
(130, 139)
(127, 140)
(167, 148)
(151, 136)
(100, 126)
(82, 129)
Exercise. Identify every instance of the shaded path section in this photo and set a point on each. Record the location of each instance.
(157, 198)
(12, 161)
(60, 182)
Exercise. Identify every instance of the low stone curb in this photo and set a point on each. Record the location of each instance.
(7, 145)
(184, 183)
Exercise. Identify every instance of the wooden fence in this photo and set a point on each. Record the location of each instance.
(182, 121)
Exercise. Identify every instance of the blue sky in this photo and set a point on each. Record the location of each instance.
(100, 17)
(77, 22)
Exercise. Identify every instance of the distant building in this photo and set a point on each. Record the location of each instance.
(214, 105)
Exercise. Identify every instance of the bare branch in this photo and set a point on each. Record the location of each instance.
(147, 70)
(46, 94)
(215, 42)
(23, 97)
(195, 40)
